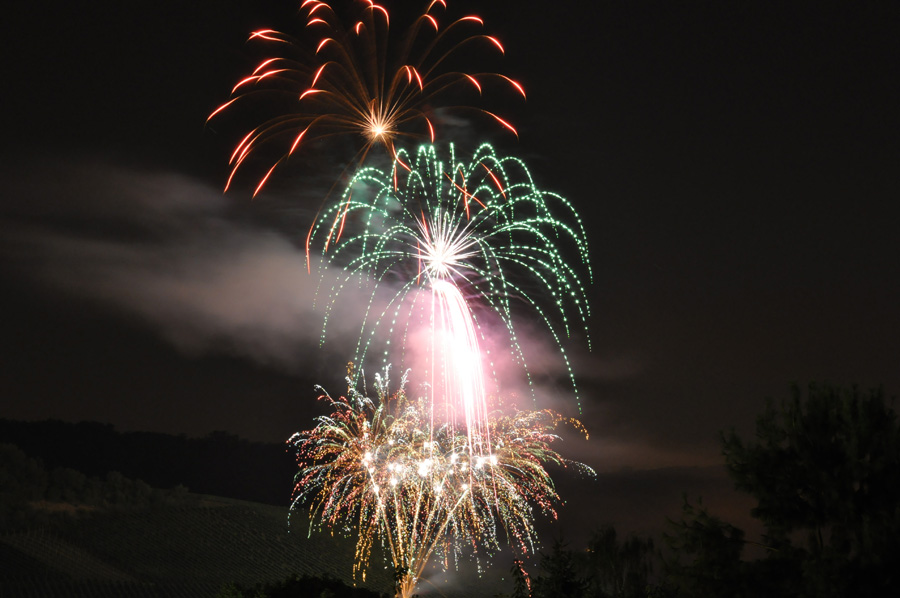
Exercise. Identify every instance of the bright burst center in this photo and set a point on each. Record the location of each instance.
(444, 246)
(440, 258)
(378, 127)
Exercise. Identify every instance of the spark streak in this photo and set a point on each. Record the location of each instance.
(356, 80)
(385, 468)
(455, 245)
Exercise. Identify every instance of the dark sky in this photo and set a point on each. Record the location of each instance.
(737, 163)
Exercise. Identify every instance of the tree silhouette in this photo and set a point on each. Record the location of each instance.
(559, 575)
(705, 556)
(825, 470)
(618, 569)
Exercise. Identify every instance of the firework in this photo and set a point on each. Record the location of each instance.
(383, 469)
(457, 246)
(354, 80)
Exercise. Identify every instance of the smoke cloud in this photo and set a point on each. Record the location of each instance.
(212, 274)
(172, 252)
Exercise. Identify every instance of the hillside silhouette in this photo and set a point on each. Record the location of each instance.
(220, 464)
(64, 533)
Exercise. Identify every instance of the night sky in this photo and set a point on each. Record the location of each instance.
(737, 164)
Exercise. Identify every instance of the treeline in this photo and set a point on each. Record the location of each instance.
(824, 469)
(221, 463)
(33, 496)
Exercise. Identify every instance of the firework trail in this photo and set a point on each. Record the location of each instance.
(456, 246)
(384, 468)
(353, 80)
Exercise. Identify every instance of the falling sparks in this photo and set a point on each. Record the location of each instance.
(356, 80)
(415, 488)
(457, 245)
